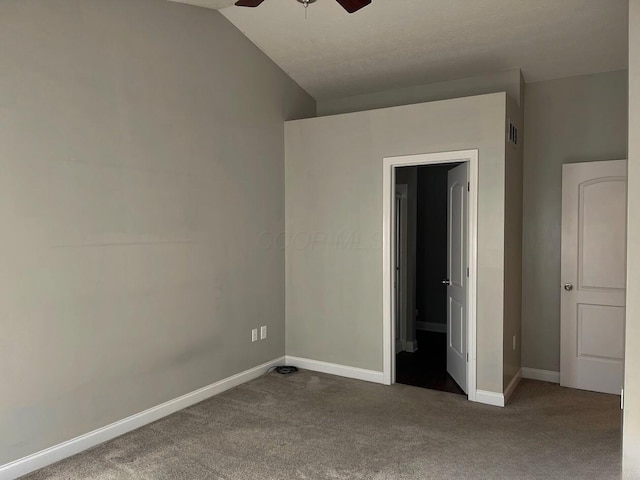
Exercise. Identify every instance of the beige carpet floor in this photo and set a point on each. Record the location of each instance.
(316, 426)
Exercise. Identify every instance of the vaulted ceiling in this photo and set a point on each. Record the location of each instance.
(398, 43)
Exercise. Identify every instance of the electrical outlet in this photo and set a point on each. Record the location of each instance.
(263, 332)
(514, 343)
(254, 335)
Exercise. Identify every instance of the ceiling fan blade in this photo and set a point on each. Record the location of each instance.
(248, 3)
(353, 5)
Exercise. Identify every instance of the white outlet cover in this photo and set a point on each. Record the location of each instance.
(254, 335)
(263, 332)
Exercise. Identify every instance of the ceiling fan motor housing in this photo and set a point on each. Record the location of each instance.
(350, 6)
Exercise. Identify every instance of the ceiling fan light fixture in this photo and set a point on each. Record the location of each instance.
(350, 6)
(306, 3)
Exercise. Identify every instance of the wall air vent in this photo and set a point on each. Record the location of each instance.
(512, 134)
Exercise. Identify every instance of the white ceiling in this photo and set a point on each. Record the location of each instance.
(398, 43)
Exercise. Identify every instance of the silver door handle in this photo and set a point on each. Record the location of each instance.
(446, 282)
(568, 287)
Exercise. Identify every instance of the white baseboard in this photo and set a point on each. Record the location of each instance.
(41, 459)
(490, 398)
(432, 327)
(411, 347)
(335, 369)
(542, 375)
(512, 386)
(499, 399)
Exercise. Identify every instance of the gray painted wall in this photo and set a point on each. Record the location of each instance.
(513, 247)
(509, 81)
(512, 83)
(568, 120)
(142, 154)
(631, 426)
(574, 119)
(334, 193)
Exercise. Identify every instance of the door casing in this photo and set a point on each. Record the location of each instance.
(388, 260)
(402, 192)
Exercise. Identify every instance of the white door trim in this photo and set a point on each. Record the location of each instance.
(388, 198)
(402, 192)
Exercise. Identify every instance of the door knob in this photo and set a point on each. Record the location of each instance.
(568, 287)
(446, 282)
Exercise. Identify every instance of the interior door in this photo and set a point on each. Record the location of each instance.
(594, 225)
(457, 280)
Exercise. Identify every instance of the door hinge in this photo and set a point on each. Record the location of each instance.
(467, 357)
(467, 271)
(468, 186)
(622, 399)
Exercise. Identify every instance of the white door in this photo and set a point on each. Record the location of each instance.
(594, 210)
(457, 279)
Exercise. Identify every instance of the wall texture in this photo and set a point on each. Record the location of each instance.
(142, 155)
(334, 221)
(631, 425)
(576, 119)
(513, 246)
(509, 81)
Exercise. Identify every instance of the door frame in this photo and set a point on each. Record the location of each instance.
(388, 260)
(402, 193)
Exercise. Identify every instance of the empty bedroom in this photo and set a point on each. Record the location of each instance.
(320, 239)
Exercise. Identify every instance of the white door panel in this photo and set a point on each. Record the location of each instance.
(455, 327)
(593, 275)
(601, 332)
(457, 275)
(602, 223)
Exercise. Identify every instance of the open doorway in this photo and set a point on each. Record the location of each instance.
(431, 210)
(425, 202)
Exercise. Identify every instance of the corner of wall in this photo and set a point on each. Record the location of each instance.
(512, 330)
